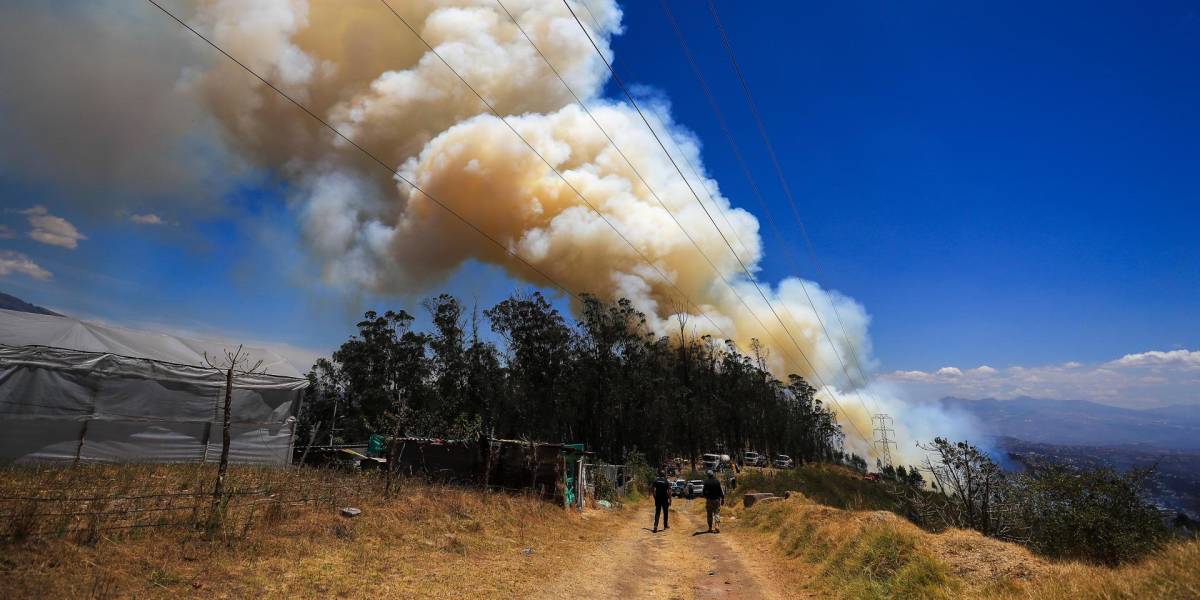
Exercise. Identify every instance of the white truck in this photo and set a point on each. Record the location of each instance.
(715, 462)
(754, 459)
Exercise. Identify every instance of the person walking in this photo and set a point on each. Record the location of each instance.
(714, 497)
(662, 501)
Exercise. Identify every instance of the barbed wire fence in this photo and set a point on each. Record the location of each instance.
(84, 514)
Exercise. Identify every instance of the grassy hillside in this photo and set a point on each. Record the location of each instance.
(876, 554)
(832, 485)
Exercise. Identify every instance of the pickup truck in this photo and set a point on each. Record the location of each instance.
(754, 459)
(784, 461)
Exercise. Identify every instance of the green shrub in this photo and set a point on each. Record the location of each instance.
(639, 470)
(1095, 514)
(605, 489)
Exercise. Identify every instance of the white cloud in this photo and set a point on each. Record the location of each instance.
(1143, 379)
(52, 230)
(147, 219)
(1189, 359)
(912, 375)
(15, 262)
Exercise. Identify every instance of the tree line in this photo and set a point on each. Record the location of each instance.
(605, 379)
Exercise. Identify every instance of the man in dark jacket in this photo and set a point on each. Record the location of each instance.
(662, 500)
(714, 497)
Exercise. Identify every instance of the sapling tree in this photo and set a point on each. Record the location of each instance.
(233, 364)
(976, 487)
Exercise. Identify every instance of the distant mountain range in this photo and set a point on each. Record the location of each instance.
(14, 303)
(1082, 423)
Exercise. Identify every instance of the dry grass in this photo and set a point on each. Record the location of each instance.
(444, 542)
(84, 502)
(424, 542)
(1173, 573)
(849, 554)
(875, 554)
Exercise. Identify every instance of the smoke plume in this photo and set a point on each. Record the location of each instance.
(359, 68)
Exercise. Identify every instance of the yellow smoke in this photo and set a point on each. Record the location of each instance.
(358, 67)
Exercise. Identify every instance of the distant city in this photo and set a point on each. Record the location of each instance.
(1024, 432)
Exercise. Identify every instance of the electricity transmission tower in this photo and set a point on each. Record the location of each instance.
(885, 436)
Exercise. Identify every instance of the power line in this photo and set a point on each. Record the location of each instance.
(749, 275)
(583, 105)
(579, 194)
(712, 200)
(596, 23)
(584, 199)
(585, 108)
(709, 215)
(775, 230)
(762, 130)
(555, 170)
(395, 172)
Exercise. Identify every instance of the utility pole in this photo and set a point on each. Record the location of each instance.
(885, 436)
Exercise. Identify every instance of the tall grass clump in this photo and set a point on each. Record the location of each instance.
(857, 555)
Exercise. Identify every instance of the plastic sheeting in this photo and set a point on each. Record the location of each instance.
(66, 405)
(30, 329)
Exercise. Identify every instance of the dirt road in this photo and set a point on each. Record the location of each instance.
(681, 563)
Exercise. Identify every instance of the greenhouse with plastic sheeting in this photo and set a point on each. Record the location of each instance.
(75, 391)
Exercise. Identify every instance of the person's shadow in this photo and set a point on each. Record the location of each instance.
(701, 532)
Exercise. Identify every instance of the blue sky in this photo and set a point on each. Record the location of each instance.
(1002, 185)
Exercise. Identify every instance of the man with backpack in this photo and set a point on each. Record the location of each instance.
(714, 497)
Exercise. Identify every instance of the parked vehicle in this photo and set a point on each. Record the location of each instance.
(716, 462)
(678, 487)
(695, 488)
(754, 459)
(784, 461)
